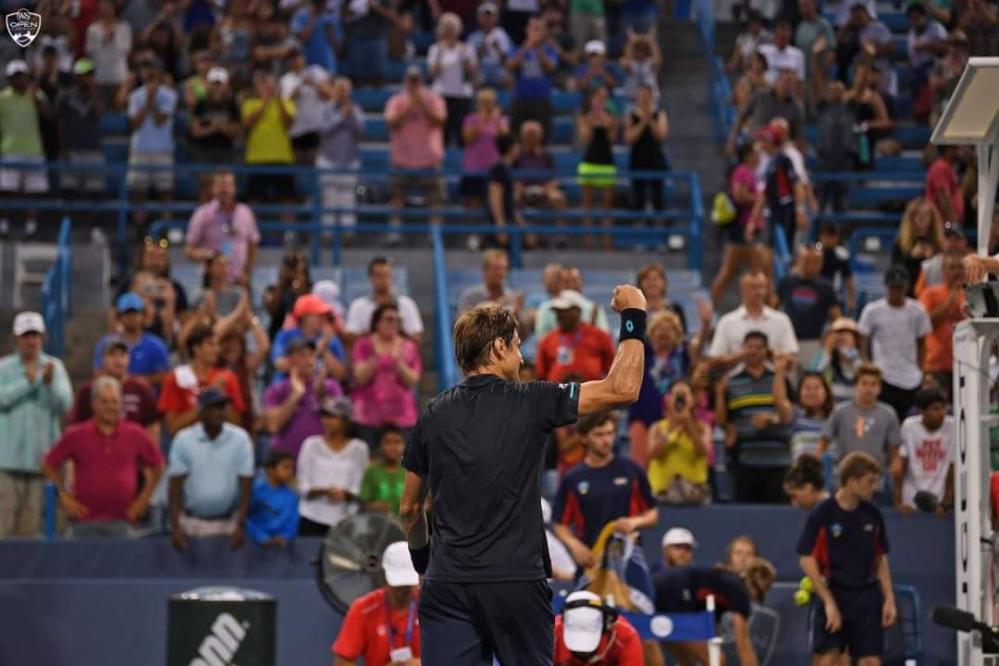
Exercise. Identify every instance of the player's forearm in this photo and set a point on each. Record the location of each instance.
(647, 519)
(884, 579)
(411, 513)
(743, 644)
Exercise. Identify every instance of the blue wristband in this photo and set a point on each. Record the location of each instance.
(632, 325)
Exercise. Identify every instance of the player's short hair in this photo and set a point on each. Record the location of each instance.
(856, 465)
(870, 370)
(477, 329)
(587, 424)
(806, 471)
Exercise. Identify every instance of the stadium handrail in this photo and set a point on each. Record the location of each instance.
(782, 254)
(447, 367)
(57, 302)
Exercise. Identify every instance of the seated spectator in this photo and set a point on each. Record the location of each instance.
(752, 405)
(291, 406)
(215, 121)
(105, 501)
(805, 483)
(151, 111)
(363, 632)
(380, 275)
(813, 404)
(453, 67)
(182, 386)
(235, 356)
(267, 117)
(224, 226)
(678, 547)
(925, 462)
(727, 345)
(533, 66)
(381, 487)
(943, 189)
(273, 516)
(495, 268)
(588, 631)
(330, 470)
(21, 107)
(293, 281)
(925, 43)
(872, 108)
(931, 270)
(479, 132)
(739, 248)
(149, 358)
(754, 34)
(138, 403)
(576, 347)
(540, 188)
(165, 297)
(78, 111)
(893, 330)
(809, 301)
(865, 424)
(211, 475)
(679, 447)
(837, 144)
(320, 33)
(781, 54)
(386, 368)
(305, 84)
(655, 287)
(366, 26)
(340, 133)
(416, 116)
(840, 358)
(492, 46)
(836, 264)
(108, 41)
(314, 322)
(945, 305)
(645, 130)
(596, 130)
(779, 101)
(641, 63)
(572, 280)
(739, 554)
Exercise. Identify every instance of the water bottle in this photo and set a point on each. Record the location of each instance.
(863, 145)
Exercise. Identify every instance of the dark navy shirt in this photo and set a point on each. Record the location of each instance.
(848, 545)
(480, 446)
(686, 589)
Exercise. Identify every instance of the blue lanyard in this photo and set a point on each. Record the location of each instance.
(410, 618)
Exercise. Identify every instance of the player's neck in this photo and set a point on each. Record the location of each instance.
(847, 500)
(592, 460)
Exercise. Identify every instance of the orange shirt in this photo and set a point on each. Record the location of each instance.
(939, 355)
(181, 389)
(625, 650)
(587, 353)
(366, 631)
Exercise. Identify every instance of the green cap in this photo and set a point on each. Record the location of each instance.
(83, 66)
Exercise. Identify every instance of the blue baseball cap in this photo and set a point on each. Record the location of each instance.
(130, 301)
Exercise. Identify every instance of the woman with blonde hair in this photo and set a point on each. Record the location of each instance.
(453, 68)
(653, 283)
(740, 554)
(920, 236)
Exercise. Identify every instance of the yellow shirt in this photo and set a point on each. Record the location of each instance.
(267, 142)
(680, 457)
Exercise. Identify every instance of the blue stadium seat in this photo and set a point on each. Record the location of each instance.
(912, 137)
(372, 99)
(113, 123)
(873, 197)
(896, 21)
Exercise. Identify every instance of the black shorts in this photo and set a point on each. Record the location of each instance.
(465, 624)
(307, 141)
(269, 187)
(861, 632)
(476, 187)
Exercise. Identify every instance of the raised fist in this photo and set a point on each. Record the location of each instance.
(627, 296)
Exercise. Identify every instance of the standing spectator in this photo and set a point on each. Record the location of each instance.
(945, 305)
(849, 572)
(581, 515)
(727, 345)
(415, 117)
(105, 501)
(50, 79)
(645, 130)
(21, 107)
(739, 251)
(211, 475)
(453, 68)
(330, 469)
(340, 131)
(781, 101)
(894, 329)
(366, 24)
(381, 488)
(235, 356)
(752, 80)
(492, 46)
(805, 483)
(267, 116)
(479, 132)
(948, 70)
(36, 394)
(836, 264)
(925, 43)
(495, 268)
(596, 127)
(812, 406)
(815, 38)
(836, 146)
(782, 55)
(588, 631)
(148, 357)
(78, 112)
(273, 516)
(151, 109)
(925, 462)
(874, 122)
(195, 87)
(224, 226)
(183, 386)
(138, 403)
(291, 406)
(108, 42)
(314, 321)
(641, 64)
(318, 29)
(293, 281)
(305, 84)
(215, 122)
(587, 21)
(218, 299)
(386, 368)
(867, 40)
(501, 202)
(754, 35)
(596, 72)
(359, 314)
(865, 424)
(752, 404)
(576, 347)
(931, 270)
(538, 190)
(679, 447)
(533, 65)
(809, 301)
(943, 187)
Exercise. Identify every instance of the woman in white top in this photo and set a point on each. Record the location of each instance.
(453, 68)
(330, 469)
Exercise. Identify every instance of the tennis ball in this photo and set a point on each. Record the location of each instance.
(806, 585)
(801, 597)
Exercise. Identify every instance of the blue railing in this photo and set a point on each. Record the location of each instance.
(447, 367)
(782, 254)
(57, 302)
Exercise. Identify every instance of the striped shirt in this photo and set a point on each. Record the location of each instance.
(806, 431)
(746, 396)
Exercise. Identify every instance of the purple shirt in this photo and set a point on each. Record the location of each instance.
(385, 398)
(231, 233)
(304, 421)
(481, 154)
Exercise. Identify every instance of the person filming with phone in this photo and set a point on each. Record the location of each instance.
(679, 446)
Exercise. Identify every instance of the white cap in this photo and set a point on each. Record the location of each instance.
(488, 7)
(568, 298)
(329, 292)
(398, 566)
(16, 67)
(546, 511)
(679, 536)
(217, 75)
(28, 322)
(582, 628)
(595, 47)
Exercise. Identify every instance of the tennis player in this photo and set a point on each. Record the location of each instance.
(478, 449)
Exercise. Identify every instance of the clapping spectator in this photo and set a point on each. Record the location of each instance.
(871, 108)
(541, 188)
(267, 117)
(340, 131)
(218, 300)
(272, 44)
(501, 203)
(149, 358)
(596, 128)
(293, 281)
(234, 36)
(151, 109)
(492, 46)
(381, 488)
(35, 397)
(366, 24)
(21, 107)
(454, 68)
(809, 301)
(479, 132)
(679, 447)
(925, 462)
(319, 31)
(313, 321)
(108, 42)
(596, 72)
(195, 87)
(362, 308)
(728, 344)
(641, 62)
(235, 356)
(943, 189)
(645, 130)
(138, 403)
(945, 305)
(105, 501)
(812, 406)
(273, 516)
(330, 469)
(576, 347)
(50, 80)
(163, 36)
(840, 358)
(533, 66)
(78, 112)
(224, 226)
(215, 121)
(386, 367)
(305, 84)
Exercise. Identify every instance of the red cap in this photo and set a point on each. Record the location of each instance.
(310, 304)
(768, 133)
(780, 128)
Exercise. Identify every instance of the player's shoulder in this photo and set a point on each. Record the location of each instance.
(626, 464)
(870, 509)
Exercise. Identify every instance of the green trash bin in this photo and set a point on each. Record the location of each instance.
(220, 626)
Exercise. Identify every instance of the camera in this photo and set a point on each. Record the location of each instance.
(681, 401)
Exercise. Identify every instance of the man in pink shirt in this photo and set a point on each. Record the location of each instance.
(943, 188)
(224, 226)
(415, 117)
(107, 453)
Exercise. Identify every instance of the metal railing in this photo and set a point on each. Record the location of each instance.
(57, 302)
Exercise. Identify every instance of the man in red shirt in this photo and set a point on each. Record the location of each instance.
(179, 399)
(382, 626)
(108, 454)
(942, 187)
(576, 347)
(588, 632)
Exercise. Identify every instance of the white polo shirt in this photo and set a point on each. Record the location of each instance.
(733, 326)
(363, 308)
